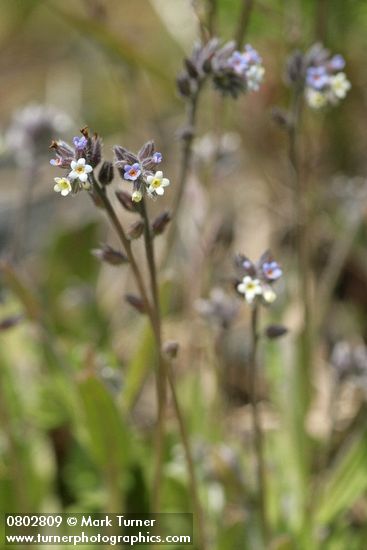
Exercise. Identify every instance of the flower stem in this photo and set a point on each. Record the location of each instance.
(244, 20)
(163, 374)
(192, 107)
(124, 241)
(258, 434)
(302, 372)
(302, 237)
(190, 463)
(153, 313)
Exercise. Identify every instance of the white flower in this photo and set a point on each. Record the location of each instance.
(250, 288)
(315, 99)
(62, 186)
(137, 196)
(80, 170)
(157, 183)
(340, 85)
(254, 76)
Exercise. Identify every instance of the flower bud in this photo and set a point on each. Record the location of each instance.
(171, 348)
(137, 196)
(125, 200)
(295, 67)
(136, 229)
(136, 302)
(159, 224)
(95, 198)
(184, 85)
(275, 331)
(10, 322)
(109, 255)
(105, 175)
(191, 69)
(146, 151)
(281, 117)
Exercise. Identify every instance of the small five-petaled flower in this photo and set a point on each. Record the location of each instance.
(80, 170)
(62, 186)
(157, 183)
(132, 172)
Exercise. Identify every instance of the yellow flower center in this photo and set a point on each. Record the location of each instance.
(80, 169)
(156, 183)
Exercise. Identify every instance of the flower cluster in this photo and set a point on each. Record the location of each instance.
(141, 170)
(79, 160)
(236, 72)
(232, 72)
(257, 278)
(320, 75)
(326, 83)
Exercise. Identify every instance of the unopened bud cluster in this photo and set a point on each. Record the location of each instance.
(232, 72)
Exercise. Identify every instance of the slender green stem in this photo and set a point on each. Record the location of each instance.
(212, 9)
(190, 463)
(153, 313)
(192, 107)
(302, 235)
(243, 22)
(256, 420)
(163, 374)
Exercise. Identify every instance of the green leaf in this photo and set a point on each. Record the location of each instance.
(107, 435)
(346, 482)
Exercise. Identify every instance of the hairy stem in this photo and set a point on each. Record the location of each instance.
(124, 241)
(188, 139)
(163, 374)
(153, 312)
(258, 433)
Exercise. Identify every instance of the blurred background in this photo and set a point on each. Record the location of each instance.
(77, 402)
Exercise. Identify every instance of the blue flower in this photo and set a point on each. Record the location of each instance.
(337, 63)
(80, 142)
(317, 77)
(132, 172)
(157, 157)
(272, 271)
(251, 55)
(238, 62)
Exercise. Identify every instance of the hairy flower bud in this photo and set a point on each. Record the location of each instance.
(281, 117)
(136, 229)
(125, 200)
(96, 198)
(171, 348)
(10, 322)
(275, 331)
(105, 175)
(295, 67)
(136, 302)
(184, 85)
(160, 223)
(109, 255)
(191, 69)
(146, 151)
